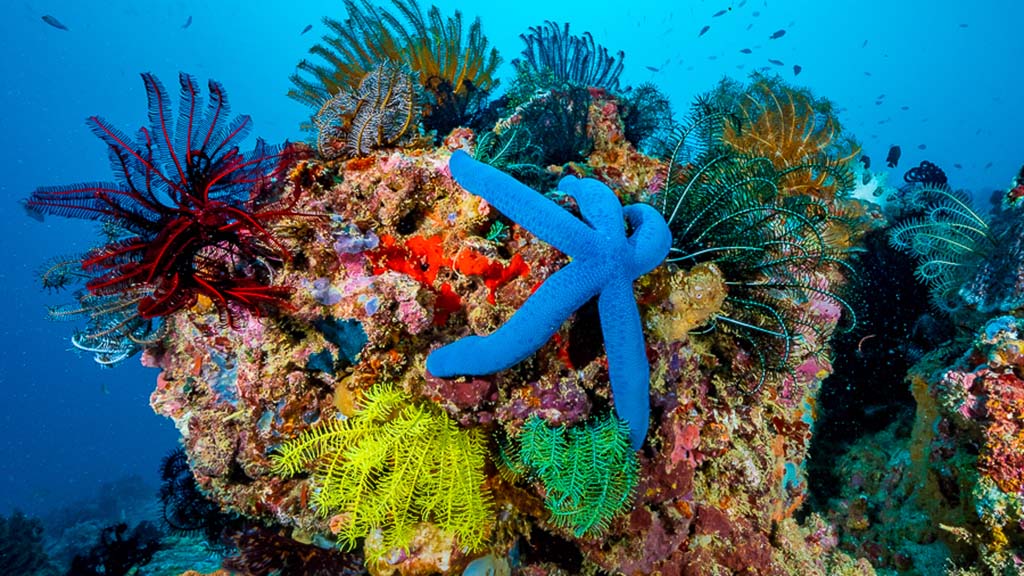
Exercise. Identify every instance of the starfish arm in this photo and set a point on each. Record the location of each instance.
(527, 330)
(521, 204)
(628, 369)
(651, 239)
(599, 206)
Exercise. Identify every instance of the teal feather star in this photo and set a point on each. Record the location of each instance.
(605, 262)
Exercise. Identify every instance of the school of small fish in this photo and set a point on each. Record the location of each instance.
(892, 158)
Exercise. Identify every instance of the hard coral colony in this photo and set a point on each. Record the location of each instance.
(386, 343)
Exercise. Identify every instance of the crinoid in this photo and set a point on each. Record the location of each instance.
(797, 132)
(550, 97)
(394, 464)
(379, 114)
(727, 208)
(566, 59)
(589, 472)
(189, 212)
(456, 70)
(950, 241)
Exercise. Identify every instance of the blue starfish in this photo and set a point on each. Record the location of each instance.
(605, 262)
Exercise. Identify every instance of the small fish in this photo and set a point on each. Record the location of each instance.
(777, 34)
(306, 29)
(776, 62)
(904, 108)
(880, 96)
(746, 51)
(749, 26)
(878, 102)
(958, 166)
(864, 45)
(963, 25)
(712, 57)
(55, 23)
(922, 146)
(987, 166)
(797, 69)
(865, 178)
(893, 159)
(720, 13)
(653, 69)
(187, 22)
(866, 73)
(703, 31)
(742, 4)
(755, 14)
(866, 161)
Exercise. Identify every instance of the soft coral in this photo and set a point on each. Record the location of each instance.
(193, 209)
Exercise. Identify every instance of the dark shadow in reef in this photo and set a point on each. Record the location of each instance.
(867, 390)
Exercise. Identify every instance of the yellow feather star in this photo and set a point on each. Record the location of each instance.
(393, 464)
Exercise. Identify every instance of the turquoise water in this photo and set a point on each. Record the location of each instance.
(949, 73)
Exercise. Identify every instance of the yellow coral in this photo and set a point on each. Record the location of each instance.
(697, 295)
(394, 464)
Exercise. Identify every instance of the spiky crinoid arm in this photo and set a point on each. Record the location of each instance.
(570, 59)
(394, 464)
(188, 206)
(949, 241)
(588, 472)
(431, 45)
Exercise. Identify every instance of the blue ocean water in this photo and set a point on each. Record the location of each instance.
(949, 72)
